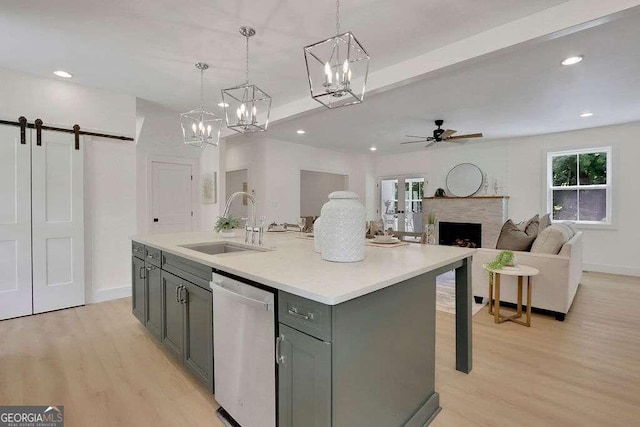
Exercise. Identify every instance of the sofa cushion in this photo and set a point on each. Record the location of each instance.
(551, 239)
(545, 221)
(514, 239)
(571, 225)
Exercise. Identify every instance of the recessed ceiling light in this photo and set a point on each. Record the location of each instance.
(586, 114)
(373, 148)
(572, 60)
(301, 132)
(63, 74)
(222, 104)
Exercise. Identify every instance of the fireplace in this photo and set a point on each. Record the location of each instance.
(465, 234)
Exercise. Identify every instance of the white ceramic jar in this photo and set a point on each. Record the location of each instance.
(317, 235)
(343, 228)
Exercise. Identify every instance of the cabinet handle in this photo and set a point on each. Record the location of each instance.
(141, 273)
(294, 312)
(186, 295)
(279, 356)
(177, 291)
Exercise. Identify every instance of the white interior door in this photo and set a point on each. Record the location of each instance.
(401, 202)
(15, 224)
(171, 194)
(58, 223)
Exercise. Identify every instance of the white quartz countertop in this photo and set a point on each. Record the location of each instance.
(293, 266)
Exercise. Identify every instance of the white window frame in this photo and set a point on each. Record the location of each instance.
(608, 186)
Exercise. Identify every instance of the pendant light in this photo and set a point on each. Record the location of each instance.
(246, 107)
(337, 68)
(200, 127)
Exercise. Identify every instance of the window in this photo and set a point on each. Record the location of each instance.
(413, 194)
(579, 185)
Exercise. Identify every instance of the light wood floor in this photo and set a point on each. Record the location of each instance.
(104, 367)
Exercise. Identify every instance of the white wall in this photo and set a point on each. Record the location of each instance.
(210, 163)
(519, 166)
(161, 135)
(274, 173)
(110, 216)
(109, 168)
(314, 187)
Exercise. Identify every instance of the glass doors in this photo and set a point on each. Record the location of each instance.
(401, 203)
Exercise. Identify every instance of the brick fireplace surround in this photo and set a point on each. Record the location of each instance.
(490, 211)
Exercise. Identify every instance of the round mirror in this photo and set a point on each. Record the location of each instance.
(464, 180)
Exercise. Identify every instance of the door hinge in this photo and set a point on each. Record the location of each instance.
(191, 213)
(191, 177)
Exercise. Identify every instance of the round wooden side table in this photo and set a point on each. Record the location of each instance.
(520, 272)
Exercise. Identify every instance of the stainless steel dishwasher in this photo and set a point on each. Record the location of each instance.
(244, 352)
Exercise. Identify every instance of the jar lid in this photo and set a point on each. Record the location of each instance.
(343, 195)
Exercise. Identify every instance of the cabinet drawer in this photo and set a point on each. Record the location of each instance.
(153, 256)
(137, 250)
(307, 316)
(187, 269)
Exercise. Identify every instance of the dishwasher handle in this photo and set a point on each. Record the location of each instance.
(217, 285)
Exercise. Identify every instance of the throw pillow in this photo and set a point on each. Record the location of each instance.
(514, 239)
(531, 227)
(545, 221)
(551, 240)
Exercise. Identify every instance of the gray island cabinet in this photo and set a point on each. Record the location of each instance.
(171, 297)
(361, 357)
(369, 361)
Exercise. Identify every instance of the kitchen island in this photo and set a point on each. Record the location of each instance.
(356, 340)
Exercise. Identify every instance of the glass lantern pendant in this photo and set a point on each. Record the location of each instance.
(200, 127)
(246, 107)
(337, 68)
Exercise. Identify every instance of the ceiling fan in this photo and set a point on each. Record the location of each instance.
(440, 134)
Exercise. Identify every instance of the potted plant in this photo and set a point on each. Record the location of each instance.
(226, 225)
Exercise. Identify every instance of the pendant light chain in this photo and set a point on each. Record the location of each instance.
(247, 60)
(337, 17)
(202, 88)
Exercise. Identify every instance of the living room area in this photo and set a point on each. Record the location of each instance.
(559, 149)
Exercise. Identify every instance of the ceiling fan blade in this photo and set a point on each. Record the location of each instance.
(416, 136)
(471, 135)
(413, 142)
(430, 144)
(447, 133)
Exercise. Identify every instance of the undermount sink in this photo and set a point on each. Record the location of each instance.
(216, 248)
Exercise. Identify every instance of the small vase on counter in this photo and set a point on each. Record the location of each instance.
(343, 228)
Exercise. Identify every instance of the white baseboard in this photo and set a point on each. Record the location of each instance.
(612, 269)
(102, 295)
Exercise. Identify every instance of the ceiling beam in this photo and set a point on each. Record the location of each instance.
(557, 21)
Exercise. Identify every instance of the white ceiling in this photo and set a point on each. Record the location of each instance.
(147, 48)
(523, 92)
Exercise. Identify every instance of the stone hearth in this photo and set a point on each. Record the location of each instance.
(490, 211)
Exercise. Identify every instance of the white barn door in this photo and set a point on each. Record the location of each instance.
(58, 223)
(15, 224)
